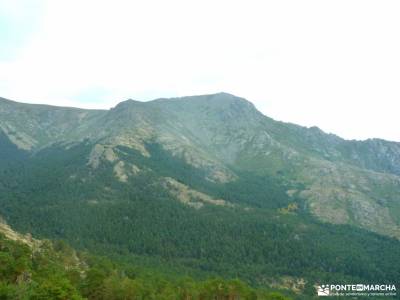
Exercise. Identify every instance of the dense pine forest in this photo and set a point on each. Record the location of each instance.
(54, 271)
(259, 246)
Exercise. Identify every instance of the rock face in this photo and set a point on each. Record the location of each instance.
(10, 234)
(221, 135)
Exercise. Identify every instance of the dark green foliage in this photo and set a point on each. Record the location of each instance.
(259, 191)
(44, 272)
(28, 274)
(9, 152)
(56, 195)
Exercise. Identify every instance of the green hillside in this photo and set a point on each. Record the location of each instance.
(41, 269)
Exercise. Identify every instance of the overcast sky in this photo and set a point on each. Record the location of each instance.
(334, 64)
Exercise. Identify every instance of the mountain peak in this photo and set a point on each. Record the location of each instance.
(128, 102)
(224, 94)
(218, 102)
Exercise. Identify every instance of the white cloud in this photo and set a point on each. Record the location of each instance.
(334, 64)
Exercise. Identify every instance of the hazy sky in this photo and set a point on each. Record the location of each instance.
(334, 64)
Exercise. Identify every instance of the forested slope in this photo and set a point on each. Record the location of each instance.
(36, 269)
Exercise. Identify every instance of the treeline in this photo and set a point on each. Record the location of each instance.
(55, 271)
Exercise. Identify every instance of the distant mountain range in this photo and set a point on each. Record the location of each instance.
(150, 171)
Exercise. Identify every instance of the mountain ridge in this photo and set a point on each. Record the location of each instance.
(223, 135)
(313, 127)
(187, 98)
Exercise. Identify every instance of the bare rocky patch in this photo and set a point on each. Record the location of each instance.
(191, 197)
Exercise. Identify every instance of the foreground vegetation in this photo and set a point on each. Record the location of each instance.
(55, 271)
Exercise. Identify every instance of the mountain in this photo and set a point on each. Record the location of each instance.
(205, 181)
(354, 182)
